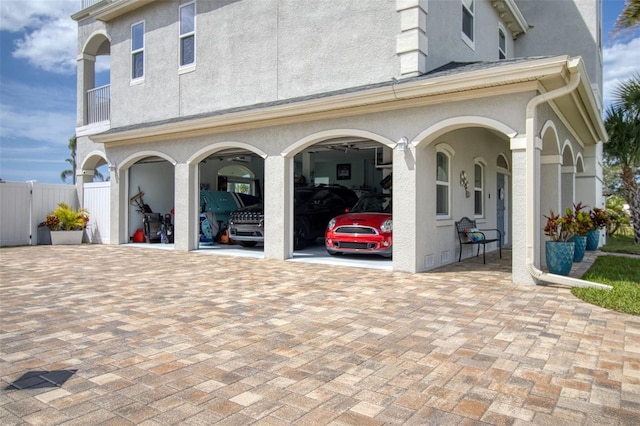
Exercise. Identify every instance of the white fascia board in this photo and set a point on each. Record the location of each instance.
(117, 8)
(487, 81)
(517, 15)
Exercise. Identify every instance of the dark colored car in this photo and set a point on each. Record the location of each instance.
(314, 206)
(366, 229)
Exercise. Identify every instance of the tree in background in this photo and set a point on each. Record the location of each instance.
(629, 18)
(622, 121)
(72, 161)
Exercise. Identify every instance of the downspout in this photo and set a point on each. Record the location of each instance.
(531, 120)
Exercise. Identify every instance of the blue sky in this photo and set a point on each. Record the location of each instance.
(38, 82)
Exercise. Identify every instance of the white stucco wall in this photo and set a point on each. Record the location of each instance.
(567, 27)
(250, 52)
(444, 31)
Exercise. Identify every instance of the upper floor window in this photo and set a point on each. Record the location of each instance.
(502, 44)
(467, 19)
(187, 34)
(137, 51)
(442, 184)
(478, 189)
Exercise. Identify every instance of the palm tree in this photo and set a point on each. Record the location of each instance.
(72, 161)
(622, 122)
(629, 18)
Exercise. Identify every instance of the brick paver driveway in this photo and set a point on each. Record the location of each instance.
(123, 335)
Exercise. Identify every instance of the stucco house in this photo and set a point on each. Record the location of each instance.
(489, 109)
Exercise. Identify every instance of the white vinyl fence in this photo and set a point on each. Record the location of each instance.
(23, 205)
(96, 200)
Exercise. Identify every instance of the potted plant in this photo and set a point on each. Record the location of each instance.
(66, 224)
(583, 224)
(599, 219)
(559, 250)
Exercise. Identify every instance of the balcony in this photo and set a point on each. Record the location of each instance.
(99, 104)
(89, 3)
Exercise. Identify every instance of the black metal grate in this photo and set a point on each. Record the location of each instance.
(41, 379)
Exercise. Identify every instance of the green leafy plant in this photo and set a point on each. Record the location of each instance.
(599, 218)
(560, 228)
(65, 218)
(582, 219)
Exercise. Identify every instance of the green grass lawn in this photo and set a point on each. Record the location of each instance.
(621, 244)
(623, 274)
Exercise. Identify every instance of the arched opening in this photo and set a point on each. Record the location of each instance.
(568, 178)
(151, 194)
(94, 73)
(461, 146)
(230, 178)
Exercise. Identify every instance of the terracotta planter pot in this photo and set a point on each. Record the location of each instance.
(66, 237)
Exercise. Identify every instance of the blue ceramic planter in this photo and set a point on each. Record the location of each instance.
(559, 257)
(581, 245)
(593, 239)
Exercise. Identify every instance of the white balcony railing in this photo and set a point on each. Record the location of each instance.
(88, 3)
(98, 104)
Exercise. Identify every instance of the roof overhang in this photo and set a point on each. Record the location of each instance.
(511, 15)
(531, 76)
(108, 10)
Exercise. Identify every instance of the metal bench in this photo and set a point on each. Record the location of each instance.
(465, 226)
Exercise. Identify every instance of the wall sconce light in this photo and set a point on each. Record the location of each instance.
(112, 167)
(402, 143)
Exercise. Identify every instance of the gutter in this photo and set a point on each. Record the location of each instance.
(531, 119)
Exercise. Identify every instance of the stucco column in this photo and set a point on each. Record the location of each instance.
(588, 186)
(568, 196)
(85, 81)
(278, 207)
(408, 203)
(119, 205)
(186, 208)
(520, 274)
(550, 179)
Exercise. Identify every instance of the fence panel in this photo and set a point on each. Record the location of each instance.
(45, 198)
(15, 202)
(97, 200)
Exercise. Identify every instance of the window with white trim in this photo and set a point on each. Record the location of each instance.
(478, 189)
(137, 51)
(442, 184)
(187, 34)
(502, 44)
(468, 18)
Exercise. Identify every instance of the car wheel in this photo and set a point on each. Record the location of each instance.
(334, 253)
(247, 243)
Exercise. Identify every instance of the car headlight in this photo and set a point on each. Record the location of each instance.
(331, 224)
(387, 226)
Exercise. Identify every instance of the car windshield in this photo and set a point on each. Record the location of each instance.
(373, 204)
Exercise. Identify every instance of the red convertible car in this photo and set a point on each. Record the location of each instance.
(366, 229)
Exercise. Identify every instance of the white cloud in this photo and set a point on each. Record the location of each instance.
(49, 35)
(621, 61)
(45, 114)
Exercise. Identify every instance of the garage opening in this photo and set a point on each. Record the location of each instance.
(151, 198)
(230, 180)
(332, 178)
